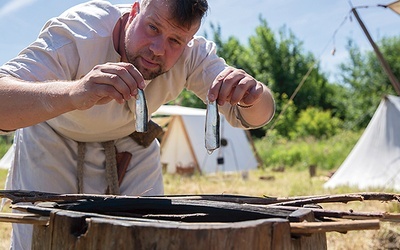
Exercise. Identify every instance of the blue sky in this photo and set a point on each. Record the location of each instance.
(314, 22)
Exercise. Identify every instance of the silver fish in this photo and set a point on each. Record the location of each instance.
(212, 136)
(141, 112)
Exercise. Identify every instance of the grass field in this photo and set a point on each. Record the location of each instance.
(278, 184)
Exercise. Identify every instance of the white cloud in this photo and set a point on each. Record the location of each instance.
(14, 5)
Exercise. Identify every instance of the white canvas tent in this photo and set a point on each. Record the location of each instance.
(374, 161)
(183, 144)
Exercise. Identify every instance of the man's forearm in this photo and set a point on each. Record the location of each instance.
(27, 103)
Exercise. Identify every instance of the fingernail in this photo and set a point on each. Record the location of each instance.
(134, 93)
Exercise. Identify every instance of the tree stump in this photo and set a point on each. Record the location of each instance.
(159, 223)
(72, 230)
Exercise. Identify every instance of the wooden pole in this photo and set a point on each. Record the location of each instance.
(335, 226)
(24, 218)
(381, 59)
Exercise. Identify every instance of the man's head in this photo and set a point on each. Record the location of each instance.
(185, 12)
(158, 34)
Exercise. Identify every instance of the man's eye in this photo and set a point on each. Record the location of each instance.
(175, 41)
(152, 27)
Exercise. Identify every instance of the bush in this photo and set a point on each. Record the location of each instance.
(325, 153)
(312, 122)
(316, 123)
(5, 143)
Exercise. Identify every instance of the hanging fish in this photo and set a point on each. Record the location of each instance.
(212, 127)
(141, 112)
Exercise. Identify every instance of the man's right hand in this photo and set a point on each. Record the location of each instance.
(25, 103)
(106, 82)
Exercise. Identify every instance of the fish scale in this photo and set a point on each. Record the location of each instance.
(141, 112)
(212, 127)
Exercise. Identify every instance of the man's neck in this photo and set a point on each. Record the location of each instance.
(119, 36)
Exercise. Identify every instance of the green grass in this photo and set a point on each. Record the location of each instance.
(326, 154)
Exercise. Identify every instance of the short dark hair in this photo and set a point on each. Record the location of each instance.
(186, 12)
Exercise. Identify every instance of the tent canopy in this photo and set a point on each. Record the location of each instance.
(183, 144)
(374, 162)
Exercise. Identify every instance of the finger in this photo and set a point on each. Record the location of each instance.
(117, 83)
(242, 89)
(253, 95)
(137, 76)
(229, 85)
(213, 93)
(124, 78)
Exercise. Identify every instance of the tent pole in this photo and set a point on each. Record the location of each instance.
(384, 64)
(258, 158)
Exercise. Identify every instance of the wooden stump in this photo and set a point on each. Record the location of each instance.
(73, 230)
(163, 223)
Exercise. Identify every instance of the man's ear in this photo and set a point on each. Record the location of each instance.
(134, 11)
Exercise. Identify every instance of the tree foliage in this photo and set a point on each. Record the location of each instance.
(281, 63)
(366, 82)
(319, 108)
(316, 122)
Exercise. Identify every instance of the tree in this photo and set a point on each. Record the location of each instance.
(366, 82)
(281, 63)
(232, 51)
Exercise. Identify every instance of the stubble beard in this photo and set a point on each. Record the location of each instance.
(146, 73)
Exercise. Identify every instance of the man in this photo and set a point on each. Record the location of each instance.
(70, 95)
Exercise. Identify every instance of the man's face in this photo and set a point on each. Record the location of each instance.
(154, 41)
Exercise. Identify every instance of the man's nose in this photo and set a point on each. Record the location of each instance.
(158, 46)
